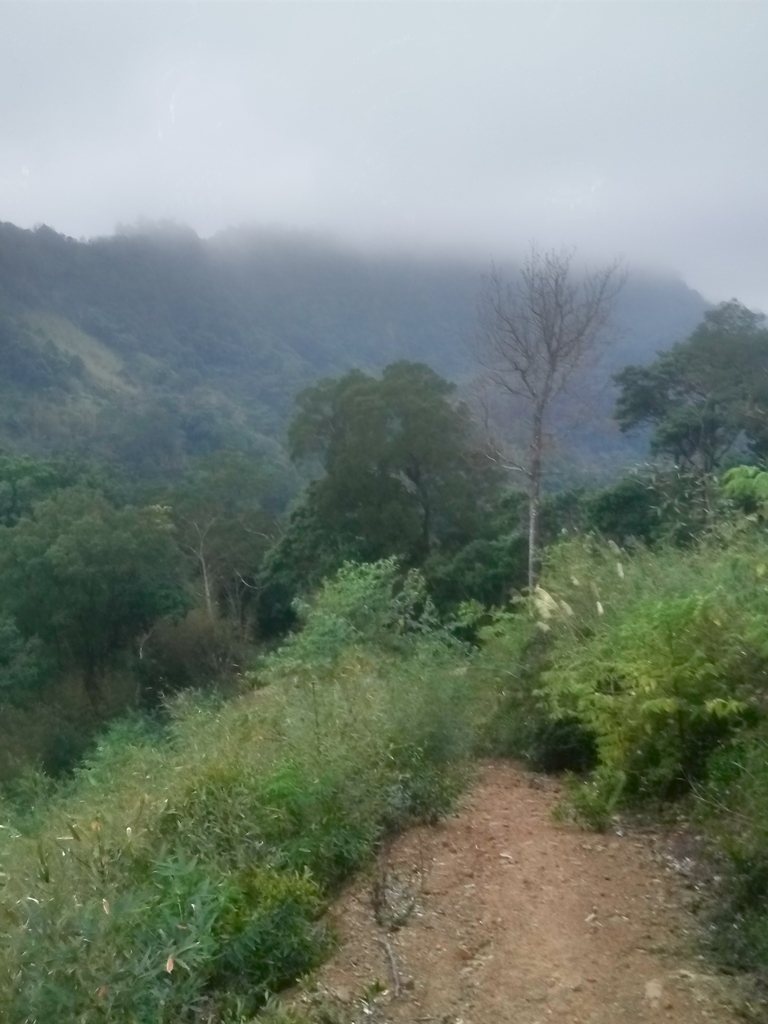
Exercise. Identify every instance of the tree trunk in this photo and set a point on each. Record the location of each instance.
(199, 553)
(534, 497)
(206, 583)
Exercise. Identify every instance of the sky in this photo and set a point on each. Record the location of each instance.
(622, 129)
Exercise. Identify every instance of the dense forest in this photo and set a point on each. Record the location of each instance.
(265, 594)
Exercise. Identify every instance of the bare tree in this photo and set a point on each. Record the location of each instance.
(535, 334)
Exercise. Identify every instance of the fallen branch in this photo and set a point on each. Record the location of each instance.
(392, 967)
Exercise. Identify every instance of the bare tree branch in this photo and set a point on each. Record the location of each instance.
(534, 334)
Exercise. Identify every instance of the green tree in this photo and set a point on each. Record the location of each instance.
(403, 471)
(23, 481)
(707, 394)
(88, 579)
(306, 553)
(222, 522)
(399, 473)
(23, 663)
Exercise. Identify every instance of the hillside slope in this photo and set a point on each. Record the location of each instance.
(211, 339)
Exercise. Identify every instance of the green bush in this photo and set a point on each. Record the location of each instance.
(199, 649)
(485, 570)
(180, 873)
(733, 807)
(514, 653)
(663, 507)
(592, 801)
(659, 655)
(158, 951)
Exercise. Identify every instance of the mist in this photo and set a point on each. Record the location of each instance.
(462, 129)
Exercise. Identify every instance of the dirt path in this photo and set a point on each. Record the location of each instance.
(512, 919)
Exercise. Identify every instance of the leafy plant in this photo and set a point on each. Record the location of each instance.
(182, 871)
(87, 578)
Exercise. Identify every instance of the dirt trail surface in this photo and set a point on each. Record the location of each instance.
(501, 916)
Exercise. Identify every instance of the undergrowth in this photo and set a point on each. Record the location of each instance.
(660, 658)
(181, 876)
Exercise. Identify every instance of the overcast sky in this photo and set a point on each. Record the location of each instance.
(622, 128)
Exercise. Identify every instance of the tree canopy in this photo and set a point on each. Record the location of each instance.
(705, 396)
(403, 468)
(224, 512)
(87, 578)
(400, 471)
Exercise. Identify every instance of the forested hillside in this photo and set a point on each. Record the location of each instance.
(153, 345)
(267, 589)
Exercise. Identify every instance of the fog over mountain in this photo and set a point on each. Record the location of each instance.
(154, 345)
(625, 128)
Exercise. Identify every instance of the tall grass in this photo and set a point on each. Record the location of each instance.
(180, 875)
(660, 657)
(659, 654)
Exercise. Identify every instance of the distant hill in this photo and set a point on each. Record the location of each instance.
(154, 343)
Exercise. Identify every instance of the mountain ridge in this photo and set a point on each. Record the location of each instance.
(223, 332)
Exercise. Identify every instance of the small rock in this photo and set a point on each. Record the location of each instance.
(653, 992)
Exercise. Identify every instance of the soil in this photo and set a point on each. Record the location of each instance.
(500, 915)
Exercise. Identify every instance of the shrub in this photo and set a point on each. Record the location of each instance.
(195, 650)
(180, 873)
(673, 507)
(158, 951)
(733, 807)
(592, 801)
(483, 570)
(658, 690)
(513, 656)
(659, 655)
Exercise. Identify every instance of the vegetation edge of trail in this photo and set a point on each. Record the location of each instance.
(182, 875)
